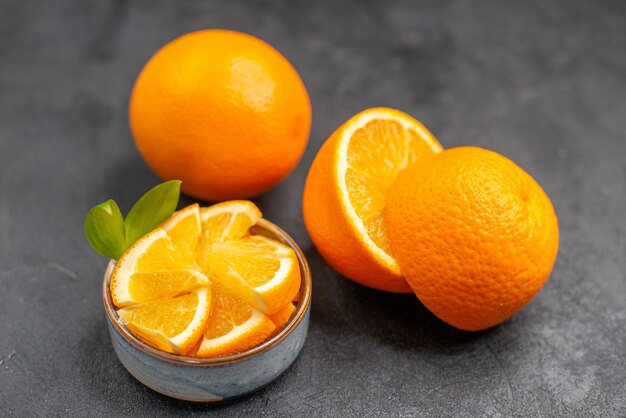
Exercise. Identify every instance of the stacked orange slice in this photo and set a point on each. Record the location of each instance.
(201, 284)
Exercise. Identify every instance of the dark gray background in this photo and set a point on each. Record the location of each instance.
(544, 83)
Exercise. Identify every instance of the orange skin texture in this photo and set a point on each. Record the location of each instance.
(331, 230)
(475, 235)
(222, 111)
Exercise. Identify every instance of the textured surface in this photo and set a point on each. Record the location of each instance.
(475, 236)
(542, 83)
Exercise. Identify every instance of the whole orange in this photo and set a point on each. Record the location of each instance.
(475, 235)
(222, 111)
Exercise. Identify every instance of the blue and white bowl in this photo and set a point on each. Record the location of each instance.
(217, 378)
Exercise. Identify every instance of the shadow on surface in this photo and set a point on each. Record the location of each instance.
(342, 311)
(345, 311)
(343, 307)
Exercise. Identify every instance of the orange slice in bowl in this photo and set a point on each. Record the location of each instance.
(145, 287)
(283, 316)
(184, 227)
(173, 324)
(151, 255)
(346, 188)
(262, 271)
(232, 326)
(222, 222)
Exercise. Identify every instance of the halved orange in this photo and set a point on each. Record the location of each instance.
(262, 271)
(172, 324)
(345, 191)
(233, 325)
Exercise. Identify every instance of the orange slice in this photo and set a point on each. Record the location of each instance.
(174, 324)
(346, 188)
(144, 287)
(262, 271)
(232, 326)
(222, 222)
(151, 255)
(283, 316)
(166, 269)
(183, 227)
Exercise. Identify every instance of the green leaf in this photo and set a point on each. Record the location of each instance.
(154, 207)
(104, 228)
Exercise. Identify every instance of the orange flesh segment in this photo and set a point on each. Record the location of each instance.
(170, 316)
(233, 325)
(255, 270)
(183, 229)
(172, 324)
(144, 287)
(262, 271)
(377, 152)
(220, 226)
(283, 316)
(161, 256)
(227, 312)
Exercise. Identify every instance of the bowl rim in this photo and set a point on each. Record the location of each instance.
(301, 310)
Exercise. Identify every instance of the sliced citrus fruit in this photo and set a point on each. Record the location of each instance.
(152, 253)
(262, 271)
(224, 221)
(283, 316)
(163, 288)
(130, 285)
(232, 326)
(346, 188)
(144, 287)
(174, 324)
(184, 227)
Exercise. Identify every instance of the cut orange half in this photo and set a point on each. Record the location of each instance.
(232, 326)
(262, 271)
(346, 188)
(174, 324)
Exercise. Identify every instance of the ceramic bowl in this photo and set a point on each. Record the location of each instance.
(217, 378)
